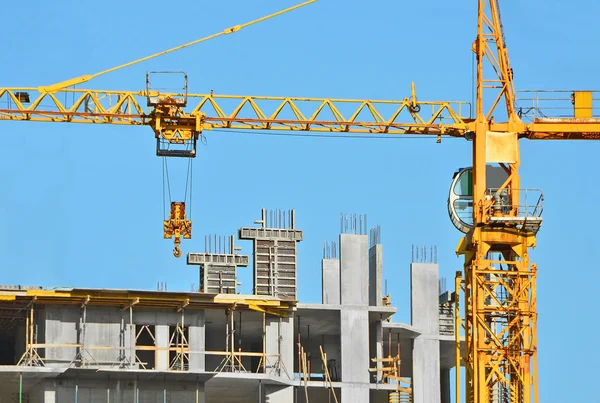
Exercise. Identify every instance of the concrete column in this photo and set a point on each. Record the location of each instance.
(445, 385)
(197, 341)
(376, 345)
(355, 394)
(330, 274)
(355, 345)
(354, 317)
(426, 348)
(162, 341)
(280, 341)
(354, 266)
(376, 275)
(355, 355)
(200, 393)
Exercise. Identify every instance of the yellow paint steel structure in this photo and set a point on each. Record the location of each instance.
(499, 283)
(126, 300)
(327, 115)
(150, 299)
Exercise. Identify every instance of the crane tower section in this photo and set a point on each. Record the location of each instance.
(499, 280)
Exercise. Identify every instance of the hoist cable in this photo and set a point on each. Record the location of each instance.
(191, 183)
(168, 180)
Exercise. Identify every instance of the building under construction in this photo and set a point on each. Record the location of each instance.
(216, 345)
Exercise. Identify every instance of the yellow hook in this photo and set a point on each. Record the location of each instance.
(177, 251)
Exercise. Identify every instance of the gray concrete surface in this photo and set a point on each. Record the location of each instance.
(355, 393)
(376, 275)
(424, 292)
(280, 341)
(354, 264)
(330, 280)
(197, 340)
(278, 394)
(426, 347)
(351, 325)
(355, 346)
(161, 333)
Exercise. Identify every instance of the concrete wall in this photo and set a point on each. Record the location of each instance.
(61, 327)
(110, 327)
(426, 348)
(354, 263)
(330, 279)
(107, 326)
(115, 391)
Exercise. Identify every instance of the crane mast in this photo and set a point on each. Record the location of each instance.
(500, 355)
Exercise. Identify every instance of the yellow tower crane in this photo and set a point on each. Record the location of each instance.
(498, 286)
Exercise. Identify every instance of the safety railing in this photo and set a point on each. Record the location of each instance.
(530, 205)
(525, 214)
(540, 105)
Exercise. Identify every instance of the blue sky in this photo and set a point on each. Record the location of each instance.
(82, 204)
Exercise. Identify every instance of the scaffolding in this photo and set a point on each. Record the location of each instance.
(138, 345)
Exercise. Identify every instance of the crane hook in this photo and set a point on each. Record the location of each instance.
(177, 251)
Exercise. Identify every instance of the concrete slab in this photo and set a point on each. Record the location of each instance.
(401, 329)
(375, 312)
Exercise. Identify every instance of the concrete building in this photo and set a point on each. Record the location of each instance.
(108, 345)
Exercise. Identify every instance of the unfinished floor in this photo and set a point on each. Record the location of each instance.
(215, 345)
